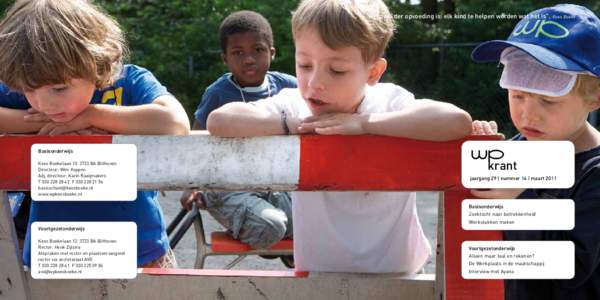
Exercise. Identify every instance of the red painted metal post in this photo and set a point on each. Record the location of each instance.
(15, 162)
(458, 288)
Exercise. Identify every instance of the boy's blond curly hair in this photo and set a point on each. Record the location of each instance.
(53, 41)
(587, 87)
(365, 24)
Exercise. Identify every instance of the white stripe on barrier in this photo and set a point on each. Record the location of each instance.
(216, 163)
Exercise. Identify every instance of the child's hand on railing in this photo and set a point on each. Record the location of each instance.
(190, 196)
(335, 123)
(35, 116)
(92, 131)
(71, 127)
(485, 128)
(87, 131)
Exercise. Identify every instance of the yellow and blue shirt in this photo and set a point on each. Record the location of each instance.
(135, 86)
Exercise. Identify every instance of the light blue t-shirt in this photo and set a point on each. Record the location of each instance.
(136, 86)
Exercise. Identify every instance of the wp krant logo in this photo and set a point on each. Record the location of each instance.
(493, 155)
(543, 27)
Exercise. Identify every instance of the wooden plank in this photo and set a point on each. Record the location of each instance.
(224, 273)
(12, 278)
(214, 287)
(223, 242)
(440, 269)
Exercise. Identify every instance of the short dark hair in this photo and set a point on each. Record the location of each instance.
(245, 21)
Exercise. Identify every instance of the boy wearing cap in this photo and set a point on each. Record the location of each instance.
(551, 70)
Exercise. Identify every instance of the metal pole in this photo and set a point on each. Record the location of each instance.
(13, 284)
(190, 65)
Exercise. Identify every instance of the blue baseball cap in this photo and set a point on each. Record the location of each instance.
(564, 37)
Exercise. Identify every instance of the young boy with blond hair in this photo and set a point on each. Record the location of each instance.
(62, 72)
(552, 74)
(339, 49)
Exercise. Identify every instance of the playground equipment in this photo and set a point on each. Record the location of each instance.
(222, 243)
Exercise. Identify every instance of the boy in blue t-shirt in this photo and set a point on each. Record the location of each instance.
(552, 74)
(258, 218)
(247, 51)
(61, 72)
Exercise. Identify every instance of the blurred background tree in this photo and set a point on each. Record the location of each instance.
(429, 55)
(178, 40)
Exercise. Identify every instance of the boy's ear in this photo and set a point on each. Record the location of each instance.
(376, 70)
(272, 53)
(223, 58)
(595, 104)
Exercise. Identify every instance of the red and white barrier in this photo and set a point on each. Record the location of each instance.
(305, 163)
(276, 163)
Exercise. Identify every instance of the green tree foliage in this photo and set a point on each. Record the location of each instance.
(178, 41)
(4, 5)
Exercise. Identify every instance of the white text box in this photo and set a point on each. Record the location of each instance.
(83, 250)
(514, 164)
(518, 260)
(518, 214)
(83, 172)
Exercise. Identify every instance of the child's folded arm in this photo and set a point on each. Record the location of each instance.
(423, 120)
(164, 115)
(238, 119)
(12, 121)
